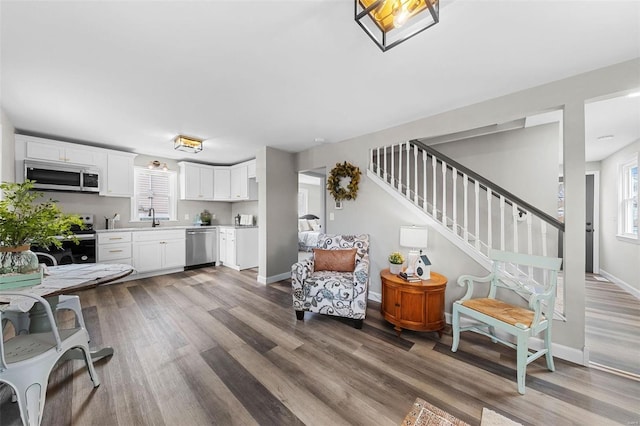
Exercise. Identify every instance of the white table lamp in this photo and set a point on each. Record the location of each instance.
(414, 237)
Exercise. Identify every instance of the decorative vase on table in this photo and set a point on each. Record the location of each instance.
(395, 268)
(18, 260)
(396, 259)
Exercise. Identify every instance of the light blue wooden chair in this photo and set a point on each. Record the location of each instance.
(513, 275)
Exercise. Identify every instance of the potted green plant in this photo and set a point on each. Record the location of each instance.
(205, 217)
(24, 222)
(395, 262)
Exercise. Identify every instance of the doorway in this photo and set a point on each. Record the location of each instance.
(311, 210)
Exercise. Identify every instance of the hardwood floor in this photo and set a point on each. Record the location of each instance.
(212, 346)
(612, 326)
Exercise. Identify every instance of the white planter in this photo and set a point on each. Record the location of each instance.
(395, 268)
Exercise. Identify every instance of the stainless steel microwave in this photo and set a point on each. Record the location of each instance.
(62, 177)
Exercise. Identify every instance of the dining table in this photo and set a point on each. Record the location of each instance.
(60, 280)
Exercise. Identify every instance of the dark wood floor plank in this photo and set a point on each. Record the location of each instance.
(263, 406)
(254, 339)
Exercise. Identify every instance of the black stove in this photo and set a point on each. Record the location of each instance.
(70, 252)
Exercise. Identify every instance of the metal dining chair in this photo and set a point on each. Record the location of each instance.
(26, 360)
(20, 320)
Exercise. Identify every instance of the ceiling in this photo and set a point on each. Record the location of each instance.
(287, 74)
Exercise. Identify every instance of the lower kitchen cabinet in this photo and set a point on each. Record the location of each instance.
(114, 247)
(158, 250)
(238, 247)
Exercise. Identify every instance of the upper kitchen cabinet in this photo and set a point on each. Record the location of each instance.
(221, 183)
(196, 181)
(234, 183)
(51, 150)
(118, 181)
(239, 182)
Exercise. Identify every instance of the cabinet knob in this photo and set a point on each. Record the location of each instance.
(398, 305)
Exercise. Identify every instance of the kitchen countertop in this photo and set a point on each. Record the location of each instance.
(170, 228)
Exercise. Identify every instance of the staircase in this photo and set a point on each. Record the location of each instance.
(469, 210)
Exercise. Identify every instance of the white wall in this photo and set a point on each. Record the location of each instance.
(278, 206)
(374, 212)
(619, 259)
(7, 149)
(497, 158)
(314, 199)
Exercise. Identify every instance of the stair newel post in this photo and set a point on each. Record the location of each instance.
(465, 218)
(489, 220)
(502, 205)
(424, 181)
(408, 181)
(514, 212)
(444, 193)
(529, 234)
(454, 206)
(477, 213)
(393, 166)
(415, 175)
(434, 167)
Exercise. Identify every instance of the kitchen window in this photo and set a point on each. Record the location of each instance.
(628, 206)
(155, 189)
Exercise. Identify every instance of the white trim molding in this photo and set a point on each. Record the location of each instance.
(620, 283)
(273, 278)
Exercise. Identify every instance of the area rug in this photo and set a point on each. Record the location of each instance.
(491, 418)
(424, 414)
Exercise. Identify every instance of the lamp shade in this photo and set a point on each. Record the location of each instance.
(413, 236)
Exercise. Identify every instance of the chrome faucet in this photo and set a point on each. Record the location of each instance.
(152, 214)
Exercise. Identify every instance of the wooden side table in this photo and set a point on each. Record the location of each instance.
(417, 306)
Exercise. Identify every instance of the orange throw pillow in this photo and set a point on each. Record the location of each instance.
(334, 260)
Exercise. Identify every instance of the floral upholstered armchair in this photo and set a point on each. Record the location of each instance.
(335, 280)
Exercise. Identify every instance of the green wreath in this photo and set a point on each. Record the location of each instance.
(333, 182)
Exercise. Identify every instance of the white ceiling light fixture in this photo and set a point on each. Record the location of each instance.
(187, 144)
(605, 138)
(155, 164)
(390, 22)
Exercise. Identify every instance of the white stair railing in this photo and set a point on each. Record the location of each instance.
(471, 211)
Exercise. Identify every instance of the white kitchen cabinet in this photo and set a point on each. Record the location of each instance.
(196, 181)
(251, 169)
(52, 150)
(238, 247)
(114, 247)
(118, 174)
(239, 182)
(221, 183)
(158, 250)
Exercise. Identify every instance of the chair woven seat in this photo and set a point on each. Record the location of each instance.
(501, 311)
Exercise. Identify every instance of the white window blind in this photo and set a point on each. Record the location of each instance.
(629, 198)
(154, 189)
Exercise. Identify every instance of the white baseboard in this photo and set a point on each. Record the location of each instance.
(577, 356)
(274, 278)
(620, 283)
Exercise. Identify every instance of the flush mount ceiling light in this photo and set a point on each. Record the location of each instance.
(187, 144)
(390, 22)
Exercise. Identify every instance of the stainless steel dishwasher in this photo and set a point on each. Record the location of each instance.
(201, 246)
